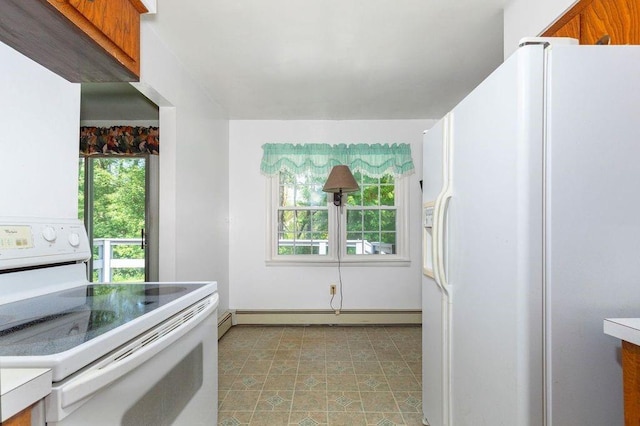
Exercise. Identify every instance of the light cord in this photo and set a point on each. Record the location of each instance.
(339, 251)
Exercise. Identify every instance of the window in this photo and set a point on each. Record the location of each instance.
(305, 226)
(309, 228)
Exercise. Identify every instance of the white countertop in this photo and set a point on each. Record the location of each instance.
(21, 387)
(627, 329)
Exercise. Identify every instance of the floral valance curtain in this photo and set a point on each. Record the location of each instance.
(372, 159)
(119, 140)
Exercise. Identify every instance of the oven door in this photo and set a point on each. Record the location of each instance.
(166, 376)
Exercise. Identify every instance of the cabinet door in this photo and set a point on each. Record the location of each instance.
(570, 29)
(620, 19)
(113, 24)
(23, 418)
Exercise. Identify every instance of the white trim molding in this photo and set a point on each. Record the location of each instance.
(327, 317)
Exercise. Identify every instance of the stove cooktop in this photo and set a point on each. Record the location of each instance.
(62, 320)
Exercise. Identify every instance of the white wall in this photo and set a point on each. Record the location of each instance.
(257, 286)
(39, 116)
(526, 18)
(194, 152)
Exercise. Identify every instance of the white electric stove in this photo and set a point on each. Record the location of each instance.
(156, 343)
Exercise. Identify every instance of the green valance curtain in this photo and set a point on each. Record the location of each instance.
(372, 159)
(119, 140)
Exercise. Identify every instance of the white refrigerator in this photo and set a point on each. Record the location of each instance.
(531, 217)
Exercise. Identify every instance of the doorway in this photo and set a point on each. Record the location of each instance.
(116, 199)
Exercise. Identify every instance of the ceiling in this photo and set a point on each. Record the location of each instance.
(334, 59)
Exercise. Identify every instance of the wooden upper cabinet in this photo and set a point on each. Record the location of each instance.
(570, 29)
(619, 19)
(80, 40)
(591, 20)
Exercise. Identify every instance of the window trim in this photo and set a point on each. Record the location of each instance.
(401, 258)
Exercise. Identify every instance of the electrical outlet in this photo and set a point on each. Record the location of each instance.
(332, 289)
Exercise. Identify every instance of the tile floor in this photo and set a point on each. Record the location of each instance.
(320, 375)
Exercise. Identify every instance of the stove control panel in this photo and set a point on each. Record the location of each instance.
(26, 242)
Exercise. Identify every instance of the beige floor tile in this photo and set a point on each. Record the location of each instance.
(290, 354)
(261, 355)
(283, 367)
(403, 383)
(312, 367)
(225, 381)
(340, 367)
(240, 401)
(347, 419)
(372, 383)
(367, 367)
(340, 354)
(271, 343)
(311, 382)
(312, 355)
(385, 419)
(255, 367)
(344, 401)
(290, 344)
(344, 382)
(308, 418)
(280, 382)
(360, 355)
(234, 417)
(275, 400)
(379, 401)
(309, 401)
(395, 368)
(409, 402)
(412, 419)
(248, 382)
(229, 366)
(415, 367)
(270, 418)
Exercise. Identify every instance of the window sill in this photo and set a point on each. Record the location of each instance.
(306, 261)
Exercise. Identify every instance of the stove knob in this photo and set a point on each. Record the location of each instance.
(49, 234)
(74, 240)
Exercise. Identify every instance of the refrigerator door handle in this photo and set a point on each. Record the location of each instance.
(442, 207)
(428, 245)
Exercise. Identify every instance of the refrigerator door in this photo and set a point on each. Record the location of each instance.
(434, 300)
(592, 228)
(493, 247)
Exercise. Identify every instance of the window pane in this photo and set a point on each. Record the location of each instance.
(354, 198)
(303, 223)
(388, 220)
(320, 221)
(301, 190)
(371, 220)
(370, 195)
(286, 196)
(386, 195)
(303, 232)
(286, 222)
(354, 220)
(388, 243)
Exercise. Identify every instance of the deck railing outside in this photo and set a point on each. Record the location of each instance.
(106, 262)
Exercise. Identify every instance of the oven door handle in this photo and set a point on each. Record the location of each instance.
(134, 353)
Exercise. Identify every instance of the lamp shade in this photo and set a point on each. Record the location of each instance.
(340, 180)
